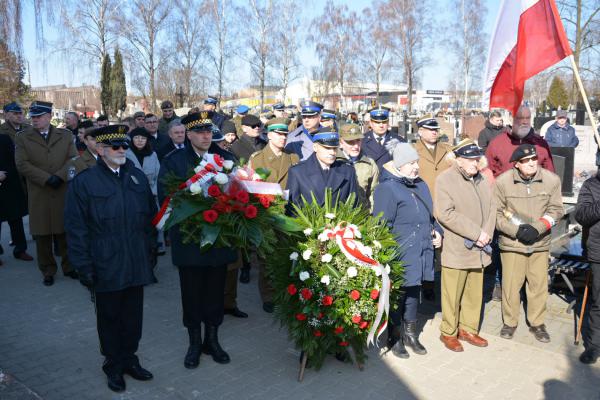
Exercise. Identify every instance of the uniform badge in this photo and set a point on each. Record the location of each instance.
(134, 179)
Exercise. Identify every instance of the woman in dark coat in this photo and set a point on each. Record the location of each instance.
(12, 198)
(405, 203)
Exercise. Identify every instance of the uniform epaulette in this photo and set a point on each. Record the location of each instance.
(255, 153)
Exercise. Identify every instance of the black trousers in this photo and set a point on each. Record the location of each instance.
(119, 316)
(408, 305)
(594, 313)
(17, 235)
(202, 295)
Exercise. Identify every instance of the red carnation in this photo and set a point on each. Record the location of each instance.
(210, 216)
(355, 295)
(327, 300)
(318, 333)
(306, 294)
(344, 344)
(214, 191)
(374, 294)
(250, 212)
(301, 317)
(219, 160)
(363, 324)
(356, 319)
(292, 289)
(338, 330)
(266, 203)
(209, 168)
(242, 196)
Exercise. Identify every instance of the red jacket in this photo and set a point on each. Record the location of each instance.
(502, 146)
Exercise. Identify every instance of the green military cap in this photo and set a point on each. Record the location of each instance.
(279, 125)
(350, 132)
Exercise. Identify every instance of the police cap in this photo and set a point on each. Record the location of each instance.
(279, 106)
(379, 115)
(466, 148)
(38, 108)
(428, 122)
(326, 137)
(328, 114)
(522, 152)
(13, 107)
(242, 109)
(310, 108)
(199, 121)
(210, 100)
(111, 134)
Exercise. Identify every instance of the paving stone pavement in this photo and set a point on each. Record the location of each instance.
(49, 346)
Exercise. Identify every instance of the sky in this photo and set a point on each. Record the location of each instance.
(435, 75)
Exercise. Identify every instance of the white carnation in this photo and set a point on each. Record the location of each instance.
(221, 178)
(294, 256)
(308, 231)
(326, 257)
(387, 269)
(325, 279)
(368, 251)
(304, 275)
(306, 254)
(195, 188)
(323, 237)
(228, 164)
(330, 215)
(352, 272)
(376, 244)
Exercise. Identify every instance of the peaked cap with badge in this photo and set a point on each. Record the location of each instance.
(310, 108)
(380, 114)
(38, 108)
(428, 122)
(467, 148)
(112, 134)
(279, 125)
(351, 132)
(199, 121)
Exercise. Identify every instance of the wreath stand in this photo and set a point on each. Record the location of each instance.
(304, 360)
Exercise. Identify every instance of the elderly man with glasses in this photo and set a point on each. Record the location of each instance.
(529, 204)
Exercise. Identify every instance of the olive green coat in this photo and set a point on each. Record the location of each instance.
(83, 162)
(7, 129)
(38, 159)
(367, 174)
(279, 166)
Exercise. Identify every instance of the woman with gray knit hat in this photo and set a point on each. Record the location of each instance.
(404, 202)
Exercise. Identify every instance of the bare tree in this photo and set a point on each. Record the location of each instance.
(189, 29)
(142, 29)
(405, 23)
(287, 46)
(323, 78)
(468, 42)
(89, 28)
(582, 23)
(337, 41)
(375, 54)
(220, 14)
(11, 21)
(259, 30)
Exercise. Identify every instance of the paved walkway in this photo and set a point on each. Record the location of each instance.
(49, 346)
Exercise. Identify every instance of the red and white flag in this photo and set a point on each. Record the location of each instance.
(529, 37)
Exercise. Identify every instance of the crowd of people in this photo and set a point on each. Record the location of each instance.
(93, 189)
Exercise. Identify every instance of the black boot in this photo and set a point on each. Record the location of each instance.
(211, 345)
(411, 337)
(192, 357)
(395, 342)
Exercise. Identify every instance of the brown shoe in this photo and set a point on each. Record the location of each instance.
(451, 343)
(472, 338)
(24, 257)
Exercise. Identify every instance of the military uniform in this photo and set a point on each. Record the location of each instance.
(44, 163)
(111, 242)
(300, 141)
(373, 145)
(84, 161)
(8, 129)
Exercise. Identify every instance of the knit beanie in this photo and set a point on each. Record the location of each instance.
(403, 154)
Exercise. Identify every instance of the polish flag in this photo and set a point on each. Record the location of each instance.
(529, 37)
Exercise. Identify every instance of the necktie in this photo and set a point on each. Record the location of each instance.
(380, 140)
(44, 135)
(117, 174)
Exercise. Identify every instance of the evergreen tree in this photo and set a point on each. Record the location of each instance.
(117, 85)
(557, 95)
(12, 74)
(105, 92)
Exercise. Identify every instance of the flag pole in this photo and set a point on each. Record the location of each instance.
(585, 99)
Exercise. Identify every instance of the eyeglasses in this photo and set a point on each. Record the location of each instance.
(116, 147)
(526, 160)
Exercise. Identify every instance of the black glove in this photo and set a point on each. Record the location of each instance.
(54, 182)
(88, 279)
(527, 234)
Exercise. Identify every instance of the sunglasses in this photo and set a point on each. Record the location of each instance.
(116, 147)
(526, 160)
(255, 126)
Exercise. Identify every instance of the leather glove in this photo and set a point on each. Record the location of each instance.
(527, 234)
(54, 182)
(88, 279)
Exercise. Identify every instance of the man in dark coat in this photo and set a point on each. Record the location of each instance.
(43, 156)
(157, 139)
(12, 198)
(168, 116)
(176, 132)
(377, 140)
(322, 171)
(210, 105)
(250, 142)
(202, 274)
(300, 140)
(493, 128)
(111, 243)
(13, 113)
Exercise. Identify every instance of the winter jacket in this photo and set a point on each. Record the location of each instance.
(108, 221)
(528, 201)
(12, 196)
(407, 208)
(502, 147)
(150, 166)
(464, 207)
(587, 213)
(488, 134)
(558, 136)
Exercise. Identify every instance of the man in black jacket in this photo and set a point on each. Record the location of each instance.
(202, 274)
(493, 127)
(587, 213)
(250, 142)
(379, 138)
(111, 243)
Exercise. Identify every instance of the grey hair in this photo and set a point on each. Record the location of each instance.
(175, 123)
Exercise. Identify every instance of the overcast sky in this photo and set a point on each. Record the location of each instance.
(435, 76)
